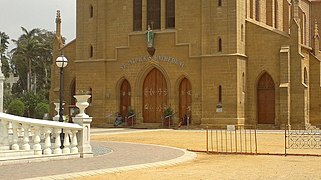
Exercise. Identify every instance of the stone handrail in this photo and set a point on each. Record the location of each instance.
(44, 137)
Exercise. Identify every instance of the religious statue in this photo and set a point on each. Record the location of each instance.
(150, 37)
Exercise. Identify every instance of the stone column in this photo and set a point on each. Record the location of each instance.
(84, 136)
(83, 120)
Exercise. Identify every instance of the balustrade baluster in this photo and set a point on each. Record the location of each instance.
(57, 150)
(47, 150)
(37, 146)
(4, 133)
(74, 143)
(66, 149)
(26, 145)
(15, 145)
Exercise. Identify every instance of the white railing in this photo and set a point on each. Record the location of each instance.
(19, 133)
(48, 137)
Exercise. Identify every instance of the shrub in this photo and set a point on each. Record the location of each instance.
(41, 109)
(16, 107)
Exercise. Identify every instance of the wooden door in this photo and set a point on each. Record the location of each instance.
(125, 100)
(154, 96)
(185, 100)
(266, 100)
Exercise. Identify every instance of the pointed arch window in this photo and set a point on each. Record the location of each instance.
(91, 11)
(91, 51)
(220, 45)
(242, 33)
(170, 13)
(154, 13)
(220, 94)
(276, 13)
(137, 10)
(219, 3)
(305, 76)
(257, 10)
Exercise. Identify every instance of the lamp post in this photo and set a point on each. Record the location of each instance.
(61, 62)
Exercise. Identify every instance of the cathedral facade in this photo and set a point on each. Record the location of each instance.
(221, 62)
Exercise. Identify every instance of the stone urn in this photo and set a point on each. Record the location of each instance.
(56, 117)
(82, 104)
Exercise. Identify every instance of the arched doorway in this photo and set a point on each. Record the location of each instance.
(125, 100)
(266, 99)
(185, 100)
(154, 96)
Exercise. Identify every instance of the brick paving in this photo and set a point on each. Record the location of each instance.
(111, 156)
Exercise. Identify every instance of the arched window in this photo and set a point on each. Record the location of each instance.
(219, 3)
(91, 51)
(220, 94)
(170, 13)
(276, 13)
(219, 45)
(91, 11)
(154, 13)
(304, 28)
(257, 10)
(242, 33)
(243, 82)
(137, 10)
(305, 76)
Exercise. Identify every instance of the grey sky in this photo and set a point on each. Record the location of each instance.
(37, 14)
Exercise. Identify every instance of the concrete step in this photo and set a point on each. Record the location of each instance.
(4, 148)
(15, 153)
(35, 158)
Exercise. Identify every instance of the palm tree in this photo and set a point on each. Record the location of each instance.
(31, 47)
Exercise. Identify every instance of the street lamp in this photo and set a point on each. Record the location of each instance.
(61, 62)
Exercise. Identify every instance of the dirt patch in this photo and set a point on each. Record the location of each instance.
(219, 166)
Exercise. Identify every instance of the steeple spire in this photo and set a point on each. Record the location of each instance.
(58, 29)
(58, 24)
(316, 39)
(295, 10)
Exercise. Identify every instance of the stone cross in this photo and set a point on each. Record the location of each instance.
(11, 80)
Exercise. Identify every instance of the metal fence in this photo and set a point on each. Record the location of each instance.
(233, 140)
(302, 139)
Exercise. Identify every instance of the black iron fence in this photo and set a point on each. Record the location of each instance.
(233, 139)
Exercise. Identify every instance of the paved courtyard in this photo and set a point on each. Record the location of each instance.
(109, 157)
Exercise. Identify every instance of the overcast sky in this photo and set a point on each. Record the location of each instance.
(37, 14)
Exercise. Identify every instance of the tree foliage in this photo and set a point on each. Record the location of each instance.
(30, 59)
(16, 107)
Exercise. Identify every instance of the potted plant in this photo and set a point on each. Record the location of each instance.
(168, 112)
(130, 116)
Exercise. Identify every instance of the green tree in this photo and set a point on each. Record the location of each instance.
(4, 58)
(16, 107)
(41, 109)
(32, 58)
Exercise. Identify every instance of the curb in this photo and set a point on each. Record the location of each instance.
(187, 156)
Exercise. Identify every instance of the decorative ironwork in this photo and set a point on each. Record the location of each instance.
(303, 139)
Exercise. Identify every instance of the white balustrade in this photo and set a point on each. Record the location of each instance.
(57, 141)
(74, 143)
(66, 149)
(37, 147)
(17, 132)
(47, 150)
(15, 145)
(26, 145)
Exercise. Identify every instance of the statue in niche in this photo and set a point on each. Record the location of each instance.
(150, 41)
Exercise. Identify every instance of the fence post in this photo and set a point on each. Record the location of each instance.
(285, 140)
(207, 139)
